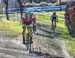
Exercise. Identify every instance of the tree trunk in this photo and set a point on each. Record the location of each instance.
(21, 7)
(7, 15)
(60, 5)
(6, 3)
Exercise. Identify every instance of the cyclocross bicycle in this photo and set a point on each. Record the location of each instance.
(28, 36)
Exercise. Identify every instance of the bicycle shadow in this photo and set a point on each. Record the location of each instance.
(46, 55)
(49, 33)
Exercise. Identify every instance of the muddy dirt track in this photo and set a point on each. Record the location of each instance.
(44, 45)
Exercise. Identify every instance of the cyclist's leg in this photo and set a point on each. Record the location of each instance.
(23, 33)
(55, 23)
(52, 25)
(31, 34)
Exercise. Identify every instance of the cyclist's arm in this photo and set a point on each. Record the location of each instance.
(57, 18)
(34, 19)
(51, 17)
(23, 20)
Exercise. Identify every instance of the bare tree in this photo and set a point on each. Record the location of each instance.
(6, 3)
(60, 5)
(21, 6)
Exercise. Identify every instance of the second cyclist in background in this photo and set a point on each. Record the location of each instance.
(54, 19)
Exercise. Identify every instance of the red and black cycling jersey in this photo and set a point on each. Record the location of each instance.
(26, 20)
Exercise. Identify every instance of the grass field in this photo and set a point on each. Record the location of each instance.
(15, 28)
(10, 28)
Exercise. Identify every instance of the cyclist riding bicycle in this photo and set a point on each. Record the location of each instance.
(54, 19)
(27, 19)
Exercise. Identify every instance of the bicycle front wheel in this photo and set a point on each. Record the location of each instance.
(27, 41)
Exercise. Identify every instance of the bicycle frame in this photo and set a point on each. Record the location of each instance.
(28, 31)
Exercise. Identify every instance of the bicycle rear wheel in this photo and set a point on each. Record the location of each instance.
(53, 31)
